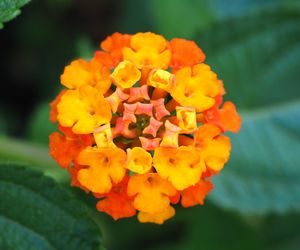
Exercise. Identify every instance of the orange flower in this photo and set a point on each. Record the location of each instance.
(105, 59)
(81, 72)
(143, 125)
(105, 167)
(196, 87)
(229, 117)
(213, 147)
(181, 166)
(73, 171)
(116, 202)
(185, 53)
(115, 43)
(195, 194)
(65, 148)
(226, 118)
(53, 106)
(148, 50)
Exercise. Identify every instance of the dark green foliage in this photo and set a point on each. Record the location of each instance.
(263, 174)
(35, 213)
(9, 9)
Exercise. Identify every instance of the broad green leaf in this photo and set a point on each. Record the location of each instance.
(9, 9)
(259, 58)
(176, 18)
(282, 232)
(36, 213)
(263, 174)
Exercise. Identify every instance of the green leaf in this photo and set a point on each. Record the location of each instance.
(9, 9)
(35, 213)
(263, 174)
(282, 232)
(259, 58)
(176, 18)
(257, 55)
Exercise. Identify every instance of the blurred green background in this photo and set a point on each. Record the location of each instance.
(253, 45)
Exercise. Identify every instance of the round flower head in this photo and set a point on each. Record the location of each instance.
(142, 126)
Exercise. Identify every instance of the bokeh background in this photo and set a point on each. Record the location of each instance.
(253, 45)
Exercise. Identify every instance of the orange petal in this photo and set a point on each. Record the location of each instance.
(195, 194)
(185, 53)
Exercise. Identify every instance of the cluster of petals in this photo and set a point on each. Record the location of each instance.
(141, 126)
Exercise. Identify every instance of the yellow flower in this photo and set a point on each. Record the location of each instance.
(126, 74)
(103, 136)
(196, 87)
(84, 109)
(213, 147)
(139, 160)
(81, 72)
(186, 119)
(151, 192)
(148, 50)
(158, 217)
(161, 79)
(181, 166)
(170, 138)
(105, 167)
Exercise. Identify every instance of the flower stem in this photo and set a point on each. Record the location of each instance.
(33, 155)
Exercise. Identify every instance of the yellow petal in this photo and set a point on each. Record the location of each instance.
(103, 136)
(181, 166)
(126, 74)
(139, 160)
(162, 79)
(105, 166)
(151, 192)
(196, 87)
(148, 50)
(158, 217)
(84, 109)
(214, 148)
(81, 72)
(186, 119)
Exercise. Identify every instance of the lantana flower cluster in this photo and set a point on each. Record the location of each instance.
(141, 126)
